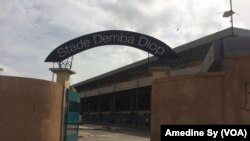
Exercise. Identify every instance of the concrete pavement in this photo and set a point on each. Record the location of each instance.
(90, 132)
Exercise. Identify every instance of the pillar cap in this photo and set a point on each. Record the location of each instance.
(58, 70)
(153, 69)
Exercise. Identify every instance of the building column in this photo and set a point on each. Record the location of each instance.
(99, 106)
(132, 102)
(113, 109)
(112, 104)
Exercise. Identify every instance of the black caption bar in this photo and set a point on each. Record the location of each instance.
(205, 132)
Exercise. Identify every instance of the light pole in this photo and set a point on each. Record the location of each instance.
(232, 23)
(230, 14)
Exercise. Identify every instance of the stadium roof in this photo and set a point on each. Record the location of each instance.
(190, 52)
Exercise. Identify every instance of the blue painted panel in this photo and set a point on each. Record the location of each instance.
(72, 96)
(72, 116)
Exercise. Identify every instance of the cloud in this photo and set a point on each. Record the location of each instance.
(30, 30)
(8, 71)
(103, 59)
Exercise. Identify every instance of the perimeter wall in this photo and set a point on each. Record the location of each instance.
(30, 109)
(207, 98)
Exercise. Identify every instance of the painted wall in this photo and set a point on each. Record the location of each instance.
(207, 98)
(30, 109)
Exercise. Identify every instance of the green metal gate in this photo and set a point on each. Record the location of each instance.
(72, 116)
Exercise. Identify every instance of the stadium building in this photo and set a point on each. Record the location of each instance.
(123, 96)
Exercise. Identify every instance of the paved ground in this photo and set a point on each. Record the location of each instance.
(109, 133)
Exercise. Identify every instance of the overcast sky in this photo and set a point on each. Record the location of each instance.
(31, 29)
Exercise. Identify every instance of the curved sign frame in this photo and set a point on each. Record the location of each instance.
(111, 37)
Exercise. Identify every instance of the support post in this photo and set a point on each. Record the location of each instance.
(63, 77)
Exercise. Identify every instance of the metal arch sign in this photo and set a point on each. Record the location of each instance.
(111, 37)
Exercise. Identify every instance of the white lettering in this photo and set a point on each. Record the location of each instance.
(142, 41)
(160, 50)
(189, 132)
(79, 45)
(240, 133)
(117, 38)
(212, 133)
(151, 46)
(105, 39)
(97, 39)
(131, 40)
(72, 48)
(124, 39)
(168, 133)
(82, 44)
(61, 52)
(86, 43)
(66, 50)
(114, 38)
(233, 132)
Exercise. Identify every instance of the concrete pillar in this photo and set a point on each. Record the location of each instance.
(113, 104)
(157, 72)
(132, 102)
(63, 77)
(99, 106)
(113, 109)
(160, 72)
